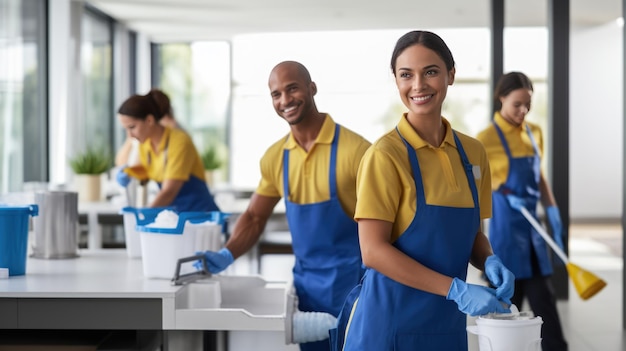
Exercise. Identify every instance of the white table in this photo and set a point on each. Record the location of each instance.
(106, 290)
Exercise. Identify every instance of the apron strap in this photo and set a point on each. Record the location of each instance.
(468, 169)
(503, 140)
(417, 174)
(332, 176)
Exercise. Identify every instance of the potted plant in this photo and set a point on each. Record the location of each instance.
(88, 167)
(211, 161)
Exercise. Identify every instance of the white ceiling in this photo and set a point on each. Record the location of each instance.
(190, 20)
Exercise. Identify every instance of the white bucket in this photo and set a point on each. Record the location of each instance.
(133, 217)
(208, 236)
(513, 334)
(161, 248)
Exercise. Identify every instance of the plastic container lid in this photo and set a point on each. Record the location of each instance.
(525, 315)
(20, 209)
(193, 218)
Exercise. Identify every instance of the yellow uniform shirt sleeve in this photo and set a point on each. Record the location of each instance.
(386, 188)
(309, 171)
(175, 158)
(519, 143)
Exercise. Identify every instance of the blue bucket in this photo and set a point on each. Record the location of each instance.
(14, 237)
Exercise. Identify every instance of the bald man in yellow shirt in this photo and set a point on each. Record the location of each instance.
(314, 169)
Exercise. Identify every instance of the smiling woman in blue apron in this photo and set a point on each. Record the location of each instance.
(422, 190)
(514, 147)
(167, 156)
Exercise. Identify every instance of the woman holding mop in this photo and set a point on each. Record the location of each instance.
(514, 148)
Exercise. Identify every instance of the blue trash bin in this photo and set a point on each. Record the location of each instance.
(14, 236)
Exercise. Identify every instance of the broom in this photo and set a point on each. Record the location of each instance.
(586, 283)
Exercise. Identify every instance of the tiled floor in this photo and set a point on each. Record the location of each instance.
(592, 325)
(596, 324)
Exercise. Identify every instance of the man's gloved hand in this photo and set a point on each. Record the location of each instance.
(554, 218)
(500, 277)
(215, 261)
(475, 300)
(516, 202)
(122, 177)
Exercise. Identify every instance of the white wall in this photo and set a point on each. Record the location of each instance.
(596, 122)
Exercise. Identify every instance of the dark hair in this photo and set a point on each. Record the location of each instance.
(509, 82)
(155, 103)
(427, 39)
(162, 101)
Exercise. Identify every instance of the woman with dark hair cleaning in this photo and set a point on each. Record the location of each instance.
(166, 155)
(515, 147)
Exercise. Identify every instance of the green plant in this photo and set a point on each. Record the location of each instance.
(91, 162)
(211, 159)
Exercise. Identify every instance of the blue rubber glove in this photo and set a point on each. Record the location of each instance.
(215, 261)
(516, 202)
(122, 178)
(554, 218)
(500, 277)
(475, 300)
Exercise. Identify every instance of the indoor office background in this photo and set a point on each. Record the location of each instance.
(65, 67)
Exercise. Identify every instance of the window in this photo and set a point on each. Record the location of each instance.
(197, 79)
(23, 103)
(355, 86)
(96, 119)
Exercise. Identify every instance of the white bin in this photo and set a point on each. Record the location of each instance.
(161, 248)
(508, 333)
(133, 217)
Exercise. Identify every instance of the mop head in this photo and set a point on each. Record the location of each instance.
(586, 283)
(312, 326)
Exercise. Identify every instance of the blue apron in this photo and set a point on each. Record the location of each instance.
(326, 248)
(391, 316)
(512, 237)
(194, 195)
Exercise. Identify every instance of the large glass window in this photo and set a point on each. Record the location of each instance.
(355, 86)
(23, 128)
(197, 79)
(518, 43)
(96, 66)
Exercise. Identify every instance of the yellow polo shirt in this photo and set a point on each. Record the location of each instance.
(309, 171)
(519, 144)
(176, 157)
(385, 185)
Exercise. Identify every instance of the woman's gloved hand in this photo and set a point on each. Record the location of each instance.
(215, 261)
(554, 218)
(516, 202)
(122, 177)
(500, 277)
(475, 300)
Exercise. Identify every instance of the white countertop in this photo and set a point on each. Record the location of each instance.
(239, 303)
(107, 273)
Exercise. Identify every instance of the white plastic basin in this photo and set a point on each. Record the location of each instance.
(231, 303)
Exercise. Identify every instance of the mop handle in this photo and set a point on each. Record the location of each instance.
(544, 234)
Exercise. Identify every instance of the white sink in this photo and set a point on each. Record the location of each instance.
(232, 303)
